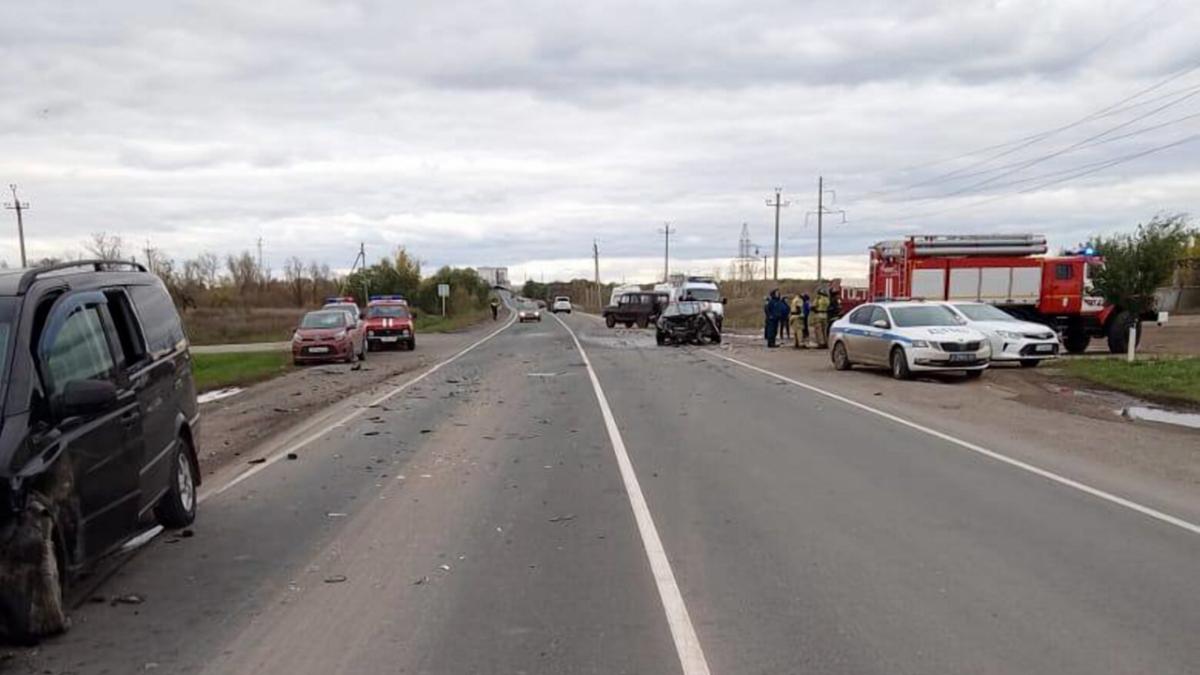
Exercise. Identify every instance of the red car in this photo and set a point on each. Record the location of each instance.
(328, 335)
(390, 322)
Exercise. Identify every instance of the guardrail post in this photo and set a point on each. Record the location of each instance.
(1129, 355)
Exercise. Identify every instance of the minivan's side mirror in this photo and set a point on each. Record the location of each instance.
(880, 323)
(86, 397)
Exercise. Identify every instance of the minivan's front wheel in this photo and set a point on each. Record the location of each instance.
(177, 508)
(31, 597)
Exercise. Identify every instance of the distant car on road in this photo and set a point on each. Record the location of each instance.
(1012, 339)
(389, 322)
(328, 335)
(528, 311)
(562, 303)
(640, 307)
(347, 303)
(99, 428)
(908, 337)
(688, 322)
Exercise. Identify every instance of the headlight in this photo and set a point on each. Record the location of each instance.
(1011, 335)
(370, 333)
(920, 344)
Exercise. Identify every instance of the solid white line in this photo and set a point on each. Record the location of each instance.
(687, 645)
(1025, 466)
(293, 447)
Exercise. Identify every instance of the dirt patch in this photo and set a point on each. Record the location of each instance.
(231, 428)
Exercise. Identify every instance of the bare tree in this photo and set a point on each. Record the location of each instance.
(243, 270)
(209, 268)
(293, 273)
(105, 246)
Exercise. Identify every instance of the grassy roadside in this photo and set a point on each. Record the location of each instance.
(435, 323)
(213, 371)
(1161, 379)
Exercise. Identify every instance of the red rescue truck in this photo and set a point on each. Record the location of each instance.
(1010, 271)
(390, 323)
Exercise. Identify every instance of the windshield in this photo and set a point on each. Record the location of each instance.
(924, 315)
(976, 312)
(710, 294)
(333, 319)
(392, 311)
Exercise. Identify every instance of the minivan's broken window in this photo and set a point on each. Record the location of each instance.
(80, 350)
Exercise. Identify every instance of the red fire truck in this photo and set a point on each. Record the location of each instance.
(1010, 271)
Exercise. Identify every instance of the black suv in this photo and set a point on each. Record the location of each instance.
(98, 427)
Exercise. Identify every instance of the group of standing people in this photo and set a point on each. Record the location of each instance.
(801, 318)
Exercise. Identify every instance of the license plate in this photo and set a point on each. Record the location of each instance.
(1044, 348)
(956, 358)
(318, 350)
(389, 338)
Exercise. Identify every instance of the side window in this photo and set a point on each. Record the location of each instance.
(79, 351)
(129, 333)
(861, 316)
(879, 315)
(159, 318)
(1063, 271)
(623, 300)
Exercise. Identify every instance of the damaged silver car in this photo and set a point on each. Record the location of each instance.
(98, 428)
(688, 322)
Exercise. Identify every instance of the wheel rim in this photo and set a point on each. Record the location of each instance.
(184, 482)
(839, 354)
(896, 364)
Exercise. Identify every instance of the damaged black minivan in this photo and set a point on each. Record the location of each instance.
(97, 428)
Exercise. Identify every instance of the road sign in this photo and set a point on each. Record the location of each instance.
(443, 290)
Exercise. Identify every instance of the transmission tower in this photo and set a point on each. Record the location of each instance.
(746, 260)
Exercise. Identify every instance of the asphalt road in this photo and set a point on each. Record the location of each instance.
(497, 516)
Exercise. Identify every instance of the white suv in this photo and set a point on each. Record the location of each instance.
(561, 304)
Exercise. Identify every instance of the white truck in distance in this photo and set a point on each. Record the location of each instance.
(685, 287)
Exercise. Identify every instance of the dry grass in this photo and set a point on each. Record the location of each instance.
(215, 326)
(745, 307)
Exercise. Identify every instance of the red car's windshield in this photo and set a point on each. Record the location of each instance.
(390, 311)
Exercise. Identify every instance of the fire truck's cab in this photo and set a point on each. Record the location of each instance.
(390, 323)
(1009, 271)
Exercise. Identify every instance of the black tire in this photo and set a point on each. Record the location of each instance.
(899, 363)
(841, 360)
(1076, 341)
(629, 324)
(642, 322)
(659, 338)
(973, 374)
(412, 344)
(610, 321)
(1030, 363)
(177, 508)
(31, 596)
(1117, 332)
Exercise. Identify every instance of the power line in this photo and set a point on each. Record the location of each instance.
(1078, 174)
(1025, 141)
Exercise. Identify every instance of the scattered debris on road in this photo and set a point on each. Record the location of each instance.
(335, 579)
(292, 455)
(257, 460)
(563, 519)
(130, 599)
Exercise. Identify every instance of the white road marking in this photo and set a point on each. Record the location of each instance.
(687, 645)
(293, 447)
(1025, 466)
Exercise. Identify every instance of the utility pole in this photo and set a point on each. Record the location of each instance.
(778, 204)
(596, 262)
(666, 231)
(149, 257)
(820, 214)
(19, 206)
(262, 272)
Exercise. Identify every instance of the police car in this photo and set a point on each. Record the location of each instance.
(908, 337)
(1012, 339)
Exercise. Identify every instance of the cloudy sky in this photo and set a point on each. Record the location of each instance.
(513, 133)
